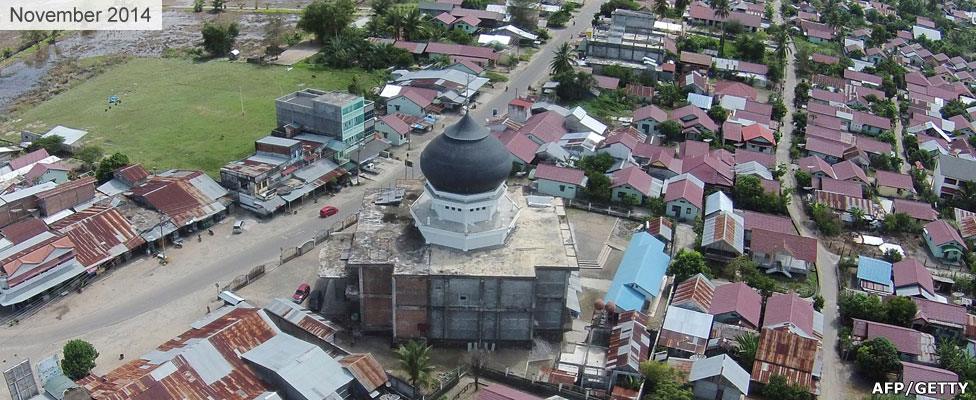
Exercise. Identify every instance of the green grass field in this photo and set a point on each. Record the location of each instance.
(177, 113)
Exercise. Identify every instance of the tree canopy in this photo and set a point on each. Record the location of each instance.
(108, 165)
(327, 18)
(52, 144)
(79, 359)
(218, 37)
(877, 358)
(688, 263)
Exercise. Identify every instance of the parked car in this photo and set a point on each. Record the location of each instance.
(328, 211)
(301, 293)
(239, 226)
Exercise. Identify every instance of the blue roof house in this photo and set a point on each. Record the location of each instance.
(638, 278)
(874, 275)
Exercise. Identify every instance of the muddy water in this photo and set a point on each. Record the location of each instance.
(180, 29)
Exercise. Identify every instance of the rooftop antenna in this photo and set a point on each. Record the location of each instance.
(467, 87)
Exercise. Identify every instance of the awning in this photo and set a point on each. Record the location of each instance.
(369, 151)
(41, 283)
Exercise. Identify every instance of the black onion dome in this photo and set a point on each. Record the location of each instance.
(466, 159)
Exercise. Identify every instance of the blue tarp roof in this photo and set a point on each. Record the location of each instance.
(874, 270)
(639, 275)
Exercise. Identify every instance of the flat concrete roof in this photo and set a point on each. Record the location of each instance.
(386, 235)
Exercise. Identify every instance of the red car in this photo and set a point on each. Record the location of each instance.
(328, 211)
(301, 293)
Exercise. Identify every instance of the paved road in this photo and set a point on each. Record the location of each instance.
(536, 70)
(836, 374)
(34, 337)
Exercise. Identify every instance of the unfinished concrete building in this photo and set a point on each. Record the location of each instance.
(464, 260)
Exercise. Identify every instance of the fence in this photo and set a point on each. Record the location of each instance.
(445, 385)
(289, 253)
(245, 279)
(609, 210)
(538, 388)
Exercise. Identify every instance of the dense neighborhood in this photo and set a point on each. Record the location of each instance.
(518, 200)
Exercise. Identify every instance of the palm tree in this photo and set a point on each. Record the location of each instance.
(396, 21)
(415, 360)
(661, 7)
(722, 10)
(857, 217)
(746, 346)
(413, 24)
(783, 41)
(563, 60)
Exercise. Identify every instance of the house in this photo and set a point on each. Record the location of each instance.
(103, 237)
(912, 279)
(966, 220)
(683, 197)
(39, 263)
(640, 275)
(874, 275)
(630, 342)
(893, 184)
(412, 101)
(785, 253)
(44, 172)
(694, 293)
(944, 321)
(394, 128)
(685, 332)
(862, 78)
(647, 119)
(700, 13)
(695, 61)
(242, 353)
(950, 172)
(912, 345)
(817, 167)
(723, 236)
(468, 24)
(661, 228)
(849, 171)
(863, 122)
(694, 121)
(919, 211)
(830, 151)
(718, 378)
(944, 241)
(787, 353)
(737, 304)
(847, 188)
(501, 392)
(72, 137)
(791, 311)
(758, 137)
(738, 89)
(559, 181)
(632, 182)
(919, 31)
(606, 82)
(911, 373)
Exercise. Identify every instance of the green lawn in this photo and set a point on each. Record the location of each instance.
(176, 113)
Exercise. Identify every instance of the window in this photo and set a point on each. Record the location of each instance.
(562, 188)
(950, 181)
(688, 211)
(396, 107)
(462, 297)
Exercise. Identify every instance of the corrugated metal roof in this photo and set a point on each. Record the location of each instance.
(630, 342)
(367, 371)
(303, 366)
(720, 365)
(100, 234)
(874, 270)
(298, 316)
(639, 274)
(695, 293)
(184, 196)
(782, 352)
(181, 368)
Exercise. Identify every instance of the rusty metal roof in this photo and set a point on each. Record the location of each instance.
(68, 186)
(201, 363)
(367, 371)
(184, 196)
(100, 233)
(131, 174)
(782, 352)
(307, 321)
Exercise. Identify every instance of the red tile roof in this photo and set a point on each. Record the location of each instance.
(22, 230)
(768, 222)
(770, 242)
(909, 272)
(894, 180)
(915, 209)
(790, 308)
(739, 298)
(396, 123)
(606, 82)
(942, 233)
(940, 313)
(634, 177)
(737, 89)
(571, 176)
(28, 159)
(547, 126)
(846, 170)
(758, 131)
(521, 146)
(863, 118)
(862, 77)
(461, 50)
(821, 58)
(743, 156)
(652, 112)
(826, 147)
(906, 340)
(698, 59)
(685, 189)
(914, 373)
(848, 188)
(500, 392)
(366, 370)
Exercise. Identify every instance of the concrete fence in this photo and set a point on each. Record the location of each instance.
(539, 388)
(245, 279)
(621, 212)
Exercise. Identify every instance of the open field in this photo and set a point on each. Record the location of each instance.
(180, 114)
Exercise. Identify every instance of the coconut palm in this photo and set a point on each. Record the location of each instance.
(783, 41)
(396, 21)
(413, 24)
(722, 10)
(563, 60)
(746, 346)
(415, 360)
(857, 217)
(661, 7)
